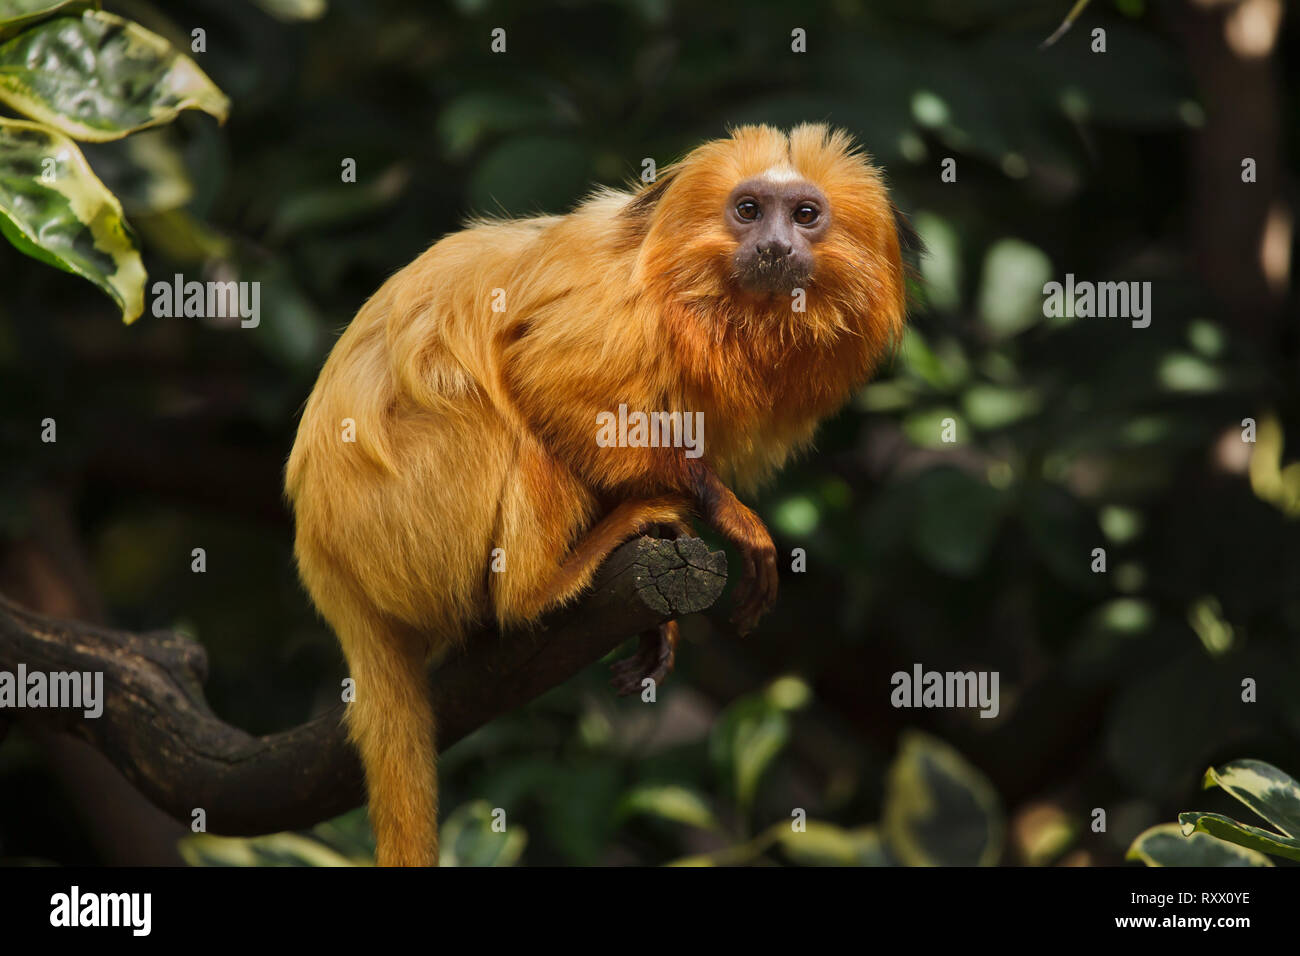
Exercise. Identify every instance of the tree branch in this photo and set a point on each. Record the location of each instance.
(159, 731)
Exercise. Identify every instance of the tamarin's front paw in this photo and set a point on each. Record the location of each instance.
(654, 658)
(756, 592)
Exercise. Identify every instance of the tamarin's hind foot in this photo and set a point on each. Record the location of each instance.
(654, 658)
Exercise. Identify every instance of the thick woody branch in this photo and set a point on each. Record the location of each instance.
(158, 730)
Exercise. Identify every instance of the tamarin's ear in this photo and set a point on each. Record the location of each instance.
(909, 240)
(644, 202)
(913, 250)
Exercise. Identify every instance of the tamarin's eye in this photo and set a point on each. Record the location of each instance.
(747, 210)
(806, 214)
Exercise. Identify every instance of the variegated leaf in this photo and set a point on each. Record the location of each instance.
(98, 77)
(1165, 845)
(1272, 794)
(1242, 834)
(54, 208)
(17, 14)
(939, 810)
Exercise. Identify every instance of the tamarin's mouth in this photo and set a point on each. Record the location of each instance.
(763, 273)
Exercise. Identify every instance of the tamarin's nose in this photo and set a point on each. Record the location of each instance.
(776, 248)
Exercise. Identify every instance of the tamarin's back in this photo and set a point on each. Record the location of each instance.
(447, 469)
(434, 429)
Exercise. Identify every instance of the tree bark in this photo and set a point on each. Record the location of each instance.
(159, 731)
(1241, 232)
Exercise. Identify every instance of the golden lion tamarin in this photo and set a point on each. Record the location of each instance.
(758, 281)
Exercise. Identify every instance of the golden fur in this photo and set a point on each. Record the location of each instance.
(474, 428)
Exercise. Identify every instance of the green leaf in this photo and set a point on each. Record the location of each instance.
(277, 849)
(182, 238)
(314, 210)
(98, 77)
(1068, 22)
(797, 516)
(55, 209)
(292, 11)
(1184, 372)
(668, 802)
(745, 741)
(1011, 287)
(146, 172)
(14, 10)
(824, 844)
(927, 428)
(471, 118)
(1181, 708)
(939, 810)
(468, 838)
(1271, 793)
(995, 406)
(1058, 528)
(15, 15)
(527, 174)
(579, 816)
(941, 267)
(957, 521)
(1242, 834)
(291, 327)
(1165, 845)
(923, 361)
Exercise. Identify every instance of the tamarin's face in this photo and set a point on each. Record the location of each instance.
(777, 220)
(744, 226)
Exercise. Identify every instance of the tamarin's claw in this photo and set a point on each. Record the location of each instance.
(654, 658)
(756, 592)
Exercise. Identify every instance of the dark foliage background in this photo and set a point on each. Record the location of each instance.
(1118, 689)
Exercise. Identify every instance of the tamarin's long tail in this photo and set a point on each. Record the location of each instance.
(391, 722)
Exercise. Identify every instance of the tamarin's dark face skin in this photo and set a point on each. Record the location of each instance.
(776, 221)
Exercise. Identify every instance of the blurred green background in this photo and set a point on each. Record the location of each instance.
(1118, 688)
